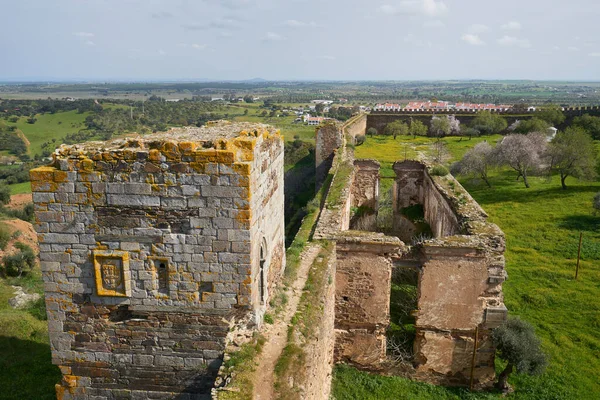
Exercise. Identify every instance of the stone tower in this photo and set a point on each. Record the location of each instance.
(150, 248)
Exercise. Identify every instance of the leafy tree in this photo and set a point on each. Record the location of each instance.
(590, 124)
(517, 344)
(551, 114)
(319, 107)
(249, 98)
(440, 126)
(572, 153)
(532, 125)
(396, 128)
(359, 139)
(523, 153)
(417, 128)
(469, 132)
(489, 123)
(371, 131)
(476, 162)
(4, 194)
(596, 203)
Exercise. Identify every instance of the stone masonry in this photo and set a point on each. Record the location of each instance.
(460, 272)
(151, 248)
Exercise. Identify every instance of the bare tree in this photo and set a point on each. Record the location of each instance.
(523, 153)
(572, 153)
(476, 162)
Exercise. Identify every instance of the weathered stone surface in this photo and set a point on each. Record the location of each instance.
(150, 248)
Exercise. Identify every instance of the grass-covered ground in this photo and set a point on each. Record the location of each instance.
(542, 226)
(50, 126)
(25, 368)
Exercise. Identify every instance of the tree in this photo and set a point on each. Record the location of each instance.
(396, 128)
(590, 124)
(469, 132)
(440, 126)
(523, 153)
(489, 123)
(552, 114)
(476, 162)
(532, 125)
(4, 194)
(319, 107)
(417, 128)
(371, 131)
(572, 153)
(248, 98)
(454, 125)
(517, 344)
(596, 203)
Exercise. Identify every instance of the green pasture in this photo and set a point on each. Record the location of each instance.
(50, 126)
(542, 226)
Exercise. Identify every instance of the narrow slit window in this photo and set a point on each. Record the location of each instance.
(162, 275)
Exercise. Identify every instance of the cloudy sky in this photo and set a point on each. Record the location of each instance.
(299, 39)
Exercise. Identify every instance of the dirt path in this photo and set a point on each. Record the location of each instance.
(276, 334)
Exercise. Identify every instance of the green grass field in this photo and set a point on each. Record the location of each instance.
(50, 126)
(542, 226)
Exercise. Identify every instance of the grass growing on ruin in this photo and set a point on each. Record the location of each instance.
(243, 365)
(291, 365)
(542, 226)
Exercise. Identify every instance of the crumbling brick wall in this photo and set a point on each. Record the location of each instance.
(365, 187)
(150, 249)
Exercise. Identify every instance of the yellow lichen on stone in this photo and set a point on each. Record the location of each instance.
(154, 155)
(187, 147)
(242, 168)
(60, 176)
(42, 174)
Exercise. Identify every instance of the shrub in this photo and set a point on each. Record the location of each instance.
(360, 139)
(19, 263)
(597, 203)
(439, 170)
(268, 318)
(4, 194)
(4, 236)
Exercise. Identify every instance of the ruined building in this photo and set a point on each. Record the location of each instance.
(459, 269)
(151, 248)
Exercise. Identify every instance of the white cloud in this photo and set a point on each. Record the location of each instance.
(294, 23)
(472, 39)
(90, 43)
(556, 48)
(436, 23)
(199, 46)
(273, 37)
(511, 41)
(478, 28)
(512, 26)
(161, 52)
(596, 54)
(573, 48)
(83, 34)
(431, 8)
(328, 58)
(434, 8)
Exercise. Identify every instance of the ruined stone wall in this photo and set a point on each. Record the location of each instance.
(356, 126)
(319, 346)
(414, 186)
(146, 254)
(267, 231)
(362, 298)
(365, 187)
(328, 139)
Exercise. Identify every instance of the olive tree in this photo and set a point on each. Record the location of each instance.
(523, 153)
(440, 126)
(489, 123)
(371, 131)
(572, 153)
(476, 162)
(396, 128)
(417, 128)
(517, 344)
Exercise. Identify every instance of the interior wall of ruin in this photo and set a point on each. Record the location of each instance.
(328, 139)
